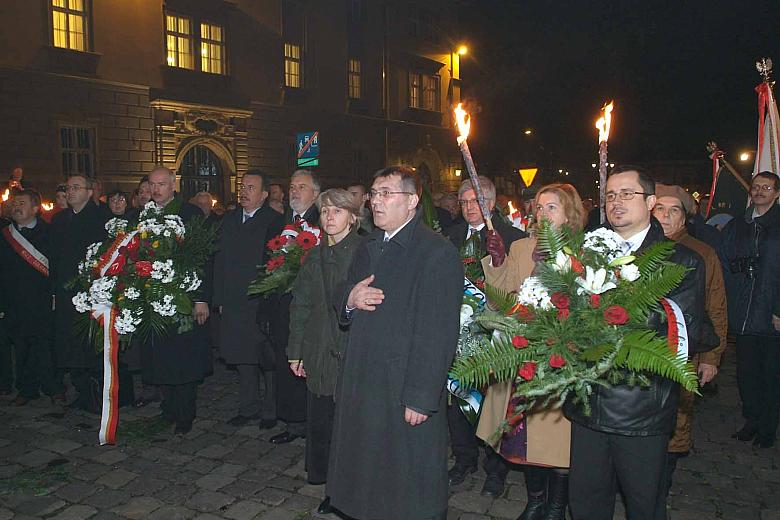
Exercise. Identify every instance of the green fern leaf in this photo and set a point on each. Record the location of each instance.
(499, 299)
(644, 351)
(497, 362)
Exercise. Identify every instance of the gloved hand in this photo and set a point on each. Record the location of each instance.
(496, 248)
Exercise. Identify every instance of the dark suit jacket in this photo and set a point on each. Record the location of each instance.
(457, 233)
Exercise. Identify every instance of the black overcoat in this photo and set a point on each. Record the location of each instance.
(509, 234)
(25, 294)
(71, 234)
(241, 248)
(176, 359)
(397, 356)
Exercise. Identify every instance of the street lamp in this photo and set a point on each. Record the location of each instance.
(744, 157)
(528, 131)
(463, 50)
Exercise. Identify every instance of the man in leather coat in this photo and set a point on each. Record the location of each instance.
(625, 437)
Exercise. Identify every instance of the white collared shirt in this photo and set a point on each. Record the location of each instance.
(29, 225)
(474, 229)
(388, 236)
(634, 242)
(249, 214)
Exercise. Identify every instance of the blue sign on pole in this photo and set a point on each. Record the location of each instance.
(308, 148)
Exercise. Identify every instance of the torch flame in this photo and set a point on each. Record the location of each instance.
(464, 123)
(47, 206)
(604, 122)
(512, 209)
(213, 202)
(6, 193)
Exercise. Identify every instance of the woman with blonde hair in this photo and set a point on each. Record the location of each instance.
(541, 441)
(316, 341)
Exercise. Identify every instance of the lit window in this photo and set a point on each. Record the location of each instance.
(415, 87)
(354, 79)
(292, 65)
(431, 93)
(212, 48)
(69, 24)
(178, 42)
(78, 150)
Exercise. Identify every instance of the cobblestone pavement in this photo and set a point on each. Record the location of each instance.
(51, 466)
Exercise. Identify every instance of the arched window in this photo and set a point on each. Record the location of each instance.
(201, 170)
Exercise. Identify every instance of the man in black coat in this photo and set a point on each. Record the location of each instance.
(73, 230)
(178, 363)
(291, 390)
(624, 439)
(465, 445)
(749, 253)
(401, 302)
(242, 243)
(24, 278)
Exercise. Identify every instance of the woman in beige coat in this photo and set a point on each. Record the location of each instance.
(541, 441)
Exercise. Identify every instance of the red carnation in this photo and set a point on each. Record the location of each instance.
(595, 300)
(519, 341)
(576, 266)
(560, 300)
(143, 268)
(557, 361)
(116, 267)
(276, 243)
(616, 315)
(525, 313)
(306, 239)
(563, 314)
(274, 263)
(527, 371)
(134, 243)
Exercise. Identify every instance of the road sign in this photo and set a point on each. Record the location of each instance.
(308, 148)
(528, 174)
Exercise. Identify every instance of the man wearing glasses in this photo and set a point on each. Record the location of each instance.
(749, 252)
(624, 439)
(401, 303)
(73, 230)
(465, 445)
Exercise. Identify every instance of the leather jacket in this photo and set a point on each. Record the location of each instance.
(649, 410)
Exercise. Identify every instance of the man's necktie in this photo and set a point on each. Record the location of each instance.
(297, 219)
(471, 232)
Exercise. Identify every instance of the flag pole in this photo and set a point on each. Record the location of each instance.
(716, 153)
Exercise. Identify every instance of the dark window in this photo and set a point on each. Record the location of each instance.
(78, 150)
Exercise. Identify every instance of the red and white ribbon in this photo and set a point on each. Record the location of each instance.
(677, 330)
(26, 250)
(106, 315)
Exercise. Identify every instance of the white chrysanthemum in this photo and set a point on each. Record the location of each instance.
(604, 241)
(163, 271)
(115, 226)
(127, 321)
(81, 302)
(466, 315)
(164, 308)
(190, 283)
(534, 293)
(100, 291)
(131, 293)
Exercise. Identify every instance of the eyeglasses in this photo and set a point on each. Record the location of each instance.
(674, 211)
(762, 187)
(383, 194)
(624, 195)
(74, 187)
(467, 203)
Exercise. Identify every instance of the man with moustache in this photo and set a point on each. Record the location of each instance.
(72, 231)
(178, 363)
(25, 299)
(401, 302)
(360, 198)
(749, 252)
(465, 445)
(624, 439)
(291, 390)
(241, 248)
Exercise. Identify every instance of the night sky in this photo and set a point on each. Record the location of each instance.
(680, 72)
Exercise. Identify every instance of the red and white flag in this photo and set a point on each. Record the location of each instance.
(768, 151)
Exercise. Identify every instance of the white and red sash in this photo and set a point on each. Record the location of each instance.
(26, 250)
(677, 330)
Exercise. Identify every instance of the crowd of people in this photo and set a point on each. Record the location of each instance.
(354, 358)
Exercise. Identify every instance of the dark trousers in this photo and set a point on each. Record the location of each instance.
(319, 430)
(87, 383)
(6, 359)
(178, 402)
(758, 378)
(600, 462)
(465, 444)
(252, 399)
(35, 370)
